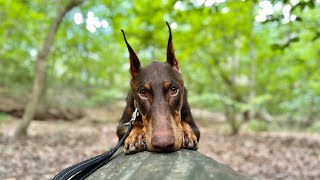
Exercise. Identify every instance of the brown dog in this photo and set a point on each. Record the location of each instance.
(165, 123)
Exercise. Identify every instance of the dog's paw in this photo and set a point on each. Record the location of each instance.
(189, 140)
(135, 142)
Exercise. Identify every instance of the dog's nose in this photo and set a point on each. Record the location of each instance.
(163, 142)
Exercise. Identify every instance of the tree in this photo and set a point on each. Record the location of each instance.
(233, 58)
(40, 69)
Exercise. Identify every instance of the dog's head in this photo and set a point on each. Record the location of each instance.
(158, 91)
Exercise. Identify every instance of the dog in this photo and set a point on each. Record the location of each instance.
(165, 123)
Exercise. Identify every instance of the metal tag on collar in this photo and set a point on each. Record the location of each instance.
(133, 117)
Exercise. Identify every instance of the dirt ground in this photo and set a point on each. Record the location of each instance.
(54, 145)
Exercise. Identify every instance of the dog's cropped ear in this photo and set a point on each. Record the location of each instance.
(134, 60)
(171, 59)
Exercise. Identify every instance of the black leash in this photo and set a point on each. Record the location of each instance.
(83, 169)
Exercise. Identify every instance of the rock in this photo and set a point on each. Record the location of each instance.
(183, 164)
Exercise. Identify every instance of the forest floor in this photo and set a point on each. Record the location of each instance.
(54, 145)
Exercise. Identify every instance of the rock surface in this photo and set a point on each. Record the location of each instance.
(183, 164)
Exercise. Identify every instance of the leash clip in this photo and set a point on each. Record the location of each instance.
(133, 118)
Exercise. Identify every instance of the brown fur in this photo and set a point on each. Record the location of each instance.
(165, 122)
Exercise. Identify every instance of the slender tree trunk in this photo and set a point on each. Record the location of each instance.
(232, 119)
(252, 92)
(40, 70)
(230, 81)
(231, 111)
(252, 74)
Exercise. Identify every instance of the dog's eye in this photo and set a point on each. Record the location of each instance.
(173, 90)
(143, 93)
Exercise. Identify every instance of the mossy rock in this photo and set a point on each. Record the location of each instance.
(183, 164)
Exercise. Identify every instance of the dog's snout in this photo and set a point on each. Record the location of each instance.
(163, 142)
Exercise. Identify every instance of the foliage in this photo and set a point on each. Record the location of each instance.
(216, 43)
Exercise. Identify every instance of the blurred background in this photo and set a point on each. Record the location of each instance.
(252, 70)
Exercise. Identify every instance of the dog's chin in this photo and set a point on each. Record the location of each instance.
(167, 150)
(151, 149)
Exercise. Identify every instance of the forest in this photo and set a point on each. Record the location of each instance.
(252, 70)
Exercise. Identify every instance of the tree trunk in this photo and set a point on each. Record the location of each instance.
(40, 70)
(231, 111)
(232, 119)
(252, 72)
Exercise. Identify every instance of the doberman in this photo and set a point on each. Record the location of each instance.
(165, 122)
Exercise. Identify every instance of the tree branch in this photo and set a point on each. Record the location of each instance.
(41, 68)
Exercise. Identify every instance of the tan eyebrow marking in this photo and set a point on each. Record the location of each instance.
(166, 84)
(147, 86)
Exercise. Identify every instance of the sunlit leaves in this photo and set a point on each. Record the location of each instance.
(211, 41)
